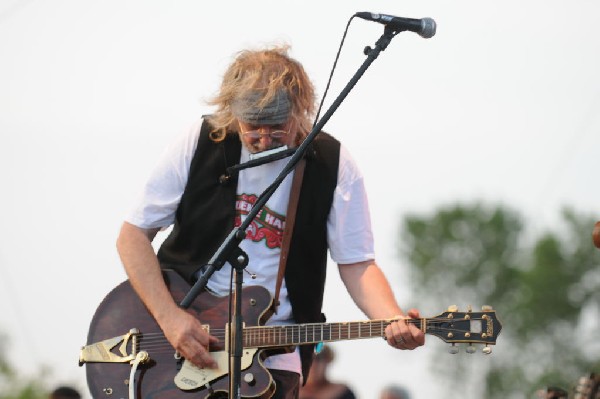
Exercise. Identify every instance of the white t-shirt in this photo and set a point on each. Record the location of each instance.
(349, 235)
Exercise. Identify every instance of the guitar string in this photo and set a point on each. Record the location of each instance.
(157, 341)
(297, 329)
(351, 326)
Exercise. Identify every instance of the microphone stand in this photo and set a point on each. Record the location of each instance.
(229, 251)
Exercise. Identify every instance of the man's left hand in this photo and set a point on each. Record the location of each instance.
(403, 335)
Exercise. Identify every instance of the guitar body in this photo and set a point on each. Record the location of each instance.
(122, 310)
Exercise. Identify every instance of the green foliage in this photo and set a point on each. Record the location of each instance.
(14, 387)
(544, 292)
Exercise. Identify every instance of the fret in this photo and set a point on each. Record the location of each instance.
(322, 332)
(306, 333)
(295, 332)
(280, 330)
(249, 337)
(292, 334)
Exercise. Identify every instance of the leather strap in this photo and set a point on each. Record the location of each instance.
(290, 218)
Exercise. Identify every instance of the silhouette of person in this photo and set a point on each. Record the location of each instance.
(64, 392)
(394, 392)
(552, 393)
(318, 386)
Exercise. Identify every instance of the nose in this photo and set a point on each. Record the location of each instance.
(265, 133)
(265, 138)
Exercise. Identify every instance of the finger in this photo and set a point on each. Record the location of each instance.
(203, 351)
(208, 359)
(406, 334)
(200, 357)
(396, 334)
(417, 335)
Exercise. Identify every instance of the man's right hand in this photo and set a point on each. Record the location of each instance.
(189, 338)
(182, 329)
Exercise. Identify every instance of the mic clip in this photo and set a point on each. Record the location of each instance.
(225, 178)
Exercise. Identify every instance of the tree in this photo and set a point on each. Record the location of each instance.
(546, 293)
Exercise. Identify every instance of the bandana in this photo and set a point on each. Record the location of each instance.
(275, 112)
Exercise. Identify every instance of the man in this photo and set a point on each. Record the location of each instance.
(265, 101)
(318, 385)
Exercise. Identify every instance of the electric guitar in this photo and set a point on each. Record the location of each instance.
(142, 364)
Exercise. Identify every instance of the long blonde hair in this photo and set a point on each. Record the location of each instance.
(269, 70)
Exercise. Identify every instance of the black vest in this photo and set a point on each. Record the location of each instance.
(207, 210)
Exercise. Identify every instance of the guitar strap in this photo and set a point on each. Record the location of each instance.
(290, 218)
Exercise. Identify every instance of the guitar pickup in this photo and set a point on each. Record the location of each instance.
(102, 352)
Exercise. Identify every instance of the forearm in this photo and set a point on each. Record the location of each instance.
(142, 268)
(370, 290)
(182, 330)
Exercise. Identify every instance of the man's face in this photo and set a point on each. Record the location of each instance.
(258, 138)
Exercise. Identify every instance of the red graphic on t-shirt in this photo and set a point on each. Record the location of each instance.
(267, 225)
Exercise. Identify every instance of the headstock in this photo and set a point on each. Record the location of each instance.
(467, 327)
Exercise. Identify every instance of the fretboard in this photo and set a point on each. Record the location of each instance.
(297, 334)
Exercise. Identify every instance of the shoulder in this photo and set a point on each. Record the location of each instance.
(326, 141)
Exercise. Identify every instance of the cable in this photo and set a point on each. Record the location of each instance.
(332, 70)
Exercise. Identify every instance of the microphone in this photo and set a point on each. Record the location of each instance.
(425, 27)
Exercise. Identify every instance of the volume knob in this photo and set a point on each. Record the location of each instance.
(249, 379)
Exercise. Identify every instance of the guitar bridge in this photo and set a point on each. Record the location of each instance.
(101, 352)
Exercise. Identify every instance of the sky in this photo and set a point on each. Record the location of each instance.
(500, 106)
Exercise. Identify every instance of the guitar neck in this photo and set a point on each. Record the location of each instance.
(299, 334)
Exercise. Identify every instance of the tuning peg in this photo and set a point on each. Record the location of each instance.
(452, 308)
(487, 308)
(453, 349)
(470, 349)
(487, 350)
